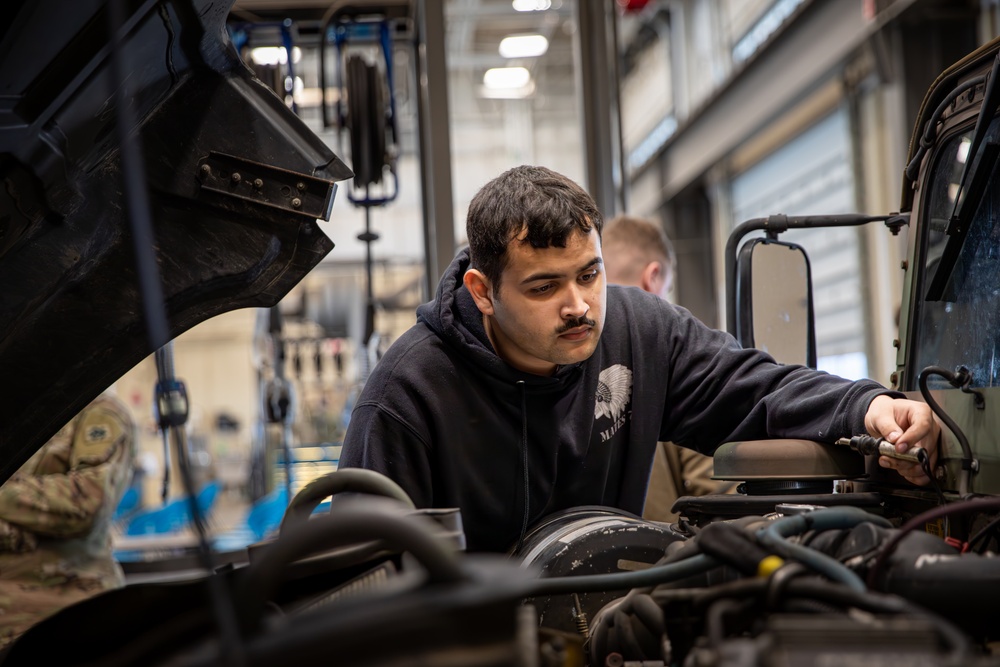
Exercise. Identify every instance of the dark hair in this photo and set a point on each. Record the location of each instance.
(549, 205)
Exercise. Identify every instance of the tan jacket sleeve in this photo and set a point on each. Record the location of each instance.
(64, 503)
(696, 471)
(678, 471)
(16, 540)
(663, 491)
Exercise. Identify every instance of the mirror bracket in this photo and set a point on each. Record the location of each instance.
(896, 221)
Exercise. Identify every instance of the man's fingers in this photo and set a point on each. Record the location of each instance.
(911, 472)
(923, 432)
(880, 418)
(919, 424)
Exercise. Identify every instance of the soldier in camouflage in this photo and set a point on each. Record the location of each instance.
(55, 516)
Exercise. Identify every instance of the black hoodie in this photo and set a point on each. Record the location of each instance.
(456, 426)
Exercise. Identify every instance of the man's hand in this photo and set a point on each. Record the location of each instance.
(906, 424)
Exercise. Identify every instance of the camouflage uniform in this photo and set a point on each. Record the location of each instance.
(55, 515)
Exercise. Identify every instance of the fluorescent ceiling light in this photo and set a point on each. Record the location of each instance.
(523, 46)
(531, 5)
(505, 78)
(524, 91)
(273, 55)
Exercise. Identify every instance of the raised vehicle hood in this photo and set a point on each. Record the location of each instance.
(71, 311)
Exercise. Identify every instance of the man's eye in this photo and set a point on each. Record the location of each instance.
(588, 277)
(542, 289)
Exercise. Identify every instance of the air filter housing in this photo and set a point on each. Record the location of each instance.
(786, 466)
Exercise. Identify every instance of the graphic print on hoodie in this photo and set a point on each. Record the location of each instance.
(614, 394)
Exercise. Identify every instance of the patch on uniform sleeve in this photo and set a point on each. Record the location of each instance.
(97, 434)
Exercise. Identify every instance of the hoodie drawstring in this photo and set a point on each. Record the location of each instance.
(524, 463)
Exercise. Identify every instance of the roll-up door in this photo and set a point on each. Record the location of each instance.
(810, 175)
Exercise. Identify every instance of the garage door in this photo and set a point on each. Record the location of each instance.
(812, 175)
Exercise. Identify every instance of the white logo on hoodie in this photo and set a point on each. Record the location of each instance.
(614, 389)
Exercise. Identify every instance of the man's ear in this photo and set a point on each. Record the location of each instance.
(656, 279)
(479, 288)
(651, 278)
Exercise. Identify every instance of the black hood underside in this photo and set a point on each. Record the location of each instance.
(235, 180)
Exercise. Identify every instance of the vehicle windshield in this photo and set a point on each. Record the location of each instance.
(962, 328)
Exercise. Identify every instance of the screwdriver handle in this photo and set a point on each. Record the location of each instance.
(915, 454)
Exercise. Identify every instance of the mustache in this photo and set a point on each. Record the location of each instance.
(576, 322)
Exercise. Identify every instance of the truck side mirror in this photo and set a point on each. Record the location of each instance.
(774, 306)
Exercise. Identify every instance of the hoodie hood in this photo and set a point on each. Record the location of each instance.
(454, 316)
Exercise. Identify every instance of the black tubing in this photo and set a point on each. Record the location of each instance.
(347, 479)
(954, 509)
(350, 525)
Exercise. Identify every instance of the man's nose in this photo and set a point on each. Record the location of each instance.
(576, 305)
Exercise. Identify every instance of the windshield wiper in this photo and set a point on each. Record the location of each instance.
(979, 167)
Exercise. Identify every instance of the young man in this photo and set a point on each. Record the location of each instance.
(528, 386)
(638, 253)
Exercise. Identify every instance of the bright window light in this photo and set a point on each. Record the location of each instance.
(523, 46)
(274, 55)
(504, 78)
(268, 55)
(952, 191)
(963, 150)
(531, 5)
(764, 28)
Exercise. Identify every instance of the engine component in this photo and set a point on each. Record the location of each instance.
(792, 639)
(701, 510)
(589, 540)
(786, 466)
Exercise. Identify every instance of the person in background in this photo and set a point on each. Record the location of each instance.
(638, 253)
(55, 517)
(529, 386)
